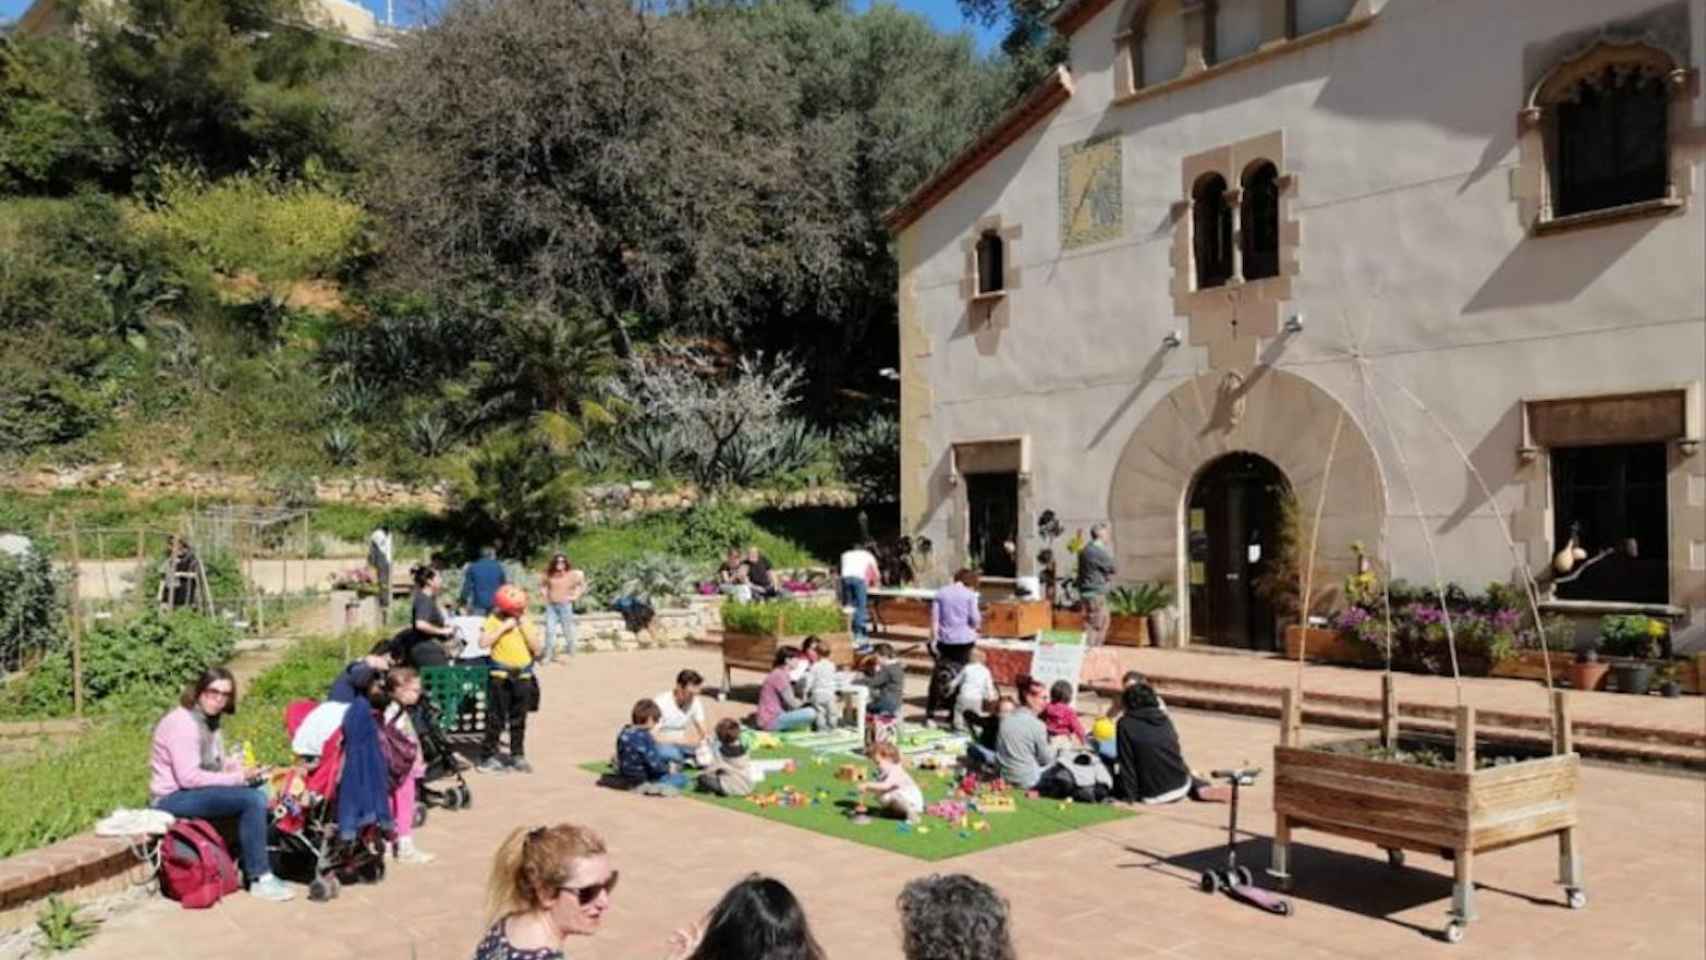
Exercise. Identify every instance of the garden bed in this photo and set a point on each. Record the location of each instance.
(753, 632)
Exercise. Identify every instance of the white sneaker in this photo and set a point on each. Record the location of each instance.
(407, 852)
(272, 888)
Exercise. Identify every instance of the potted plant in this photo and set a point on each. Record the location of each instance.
(1669, 676)
(1281, 583)
(1587, 673)
(1129, 609)
(1635, 638)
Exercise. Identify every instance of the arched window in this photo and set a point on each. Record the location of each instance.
(1259, 222)
(1211, 231)
(991, 272)
(1611, 141)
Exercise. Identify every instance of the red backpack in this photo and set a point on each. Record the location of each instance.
(195, 868)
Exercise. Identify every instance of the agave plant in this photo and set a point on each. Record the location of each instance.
(595, 459)
(341, 444)
(429, 435)
(356, 398)
(654, 449)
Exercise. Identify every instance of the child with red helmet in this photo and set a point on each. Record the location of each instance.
(511, 688)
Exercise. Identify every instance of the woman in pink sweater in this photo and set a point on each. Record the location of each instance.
(193, 777)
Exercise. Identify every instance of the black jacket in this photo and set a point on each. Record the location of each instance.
(1151, 763)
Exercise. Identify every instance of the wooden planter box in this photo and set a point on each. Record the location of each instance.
(757, 651)
(901, 612)
(1325, 646)
(1531, 665)
(1459, 812)
(1065, 619)
(1126, 630)
(1012, 619)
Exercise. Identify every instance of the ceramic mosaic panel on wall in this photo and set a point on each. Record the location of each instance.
(1091, 207)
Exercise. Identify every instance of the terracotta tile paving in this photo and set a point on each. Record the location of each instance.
(1125, 889)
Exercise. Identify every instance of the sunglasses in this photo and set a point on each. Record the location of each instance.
(586, 895)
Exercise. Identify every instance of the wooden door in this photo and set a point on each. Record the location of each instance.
(992, 500)
(1230, 529)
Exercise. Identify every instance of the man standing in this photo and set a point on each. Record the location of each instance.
(480, 582)
(859, 573)
(379, 558)
(1095, 567)
(681, 730)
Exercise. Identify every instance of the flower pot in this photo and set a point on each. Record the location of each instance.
(1635, 678)
(1163, 625)
(1588, 674)
(1128, 630)
(1671, 689)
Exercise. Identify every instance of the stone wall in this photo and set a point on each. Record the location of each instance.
(603, 503)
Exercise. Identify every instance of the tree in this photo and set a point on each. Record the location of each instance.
(51, 139)
(1031, 46)
(583, 152)
(709, 408)
(214, 84)
(513, 490)
(551, 369)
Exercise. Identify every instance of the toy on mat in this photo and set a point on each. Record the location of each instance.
(852, 773)
(997, 803)
(765, 741)
(950, 810)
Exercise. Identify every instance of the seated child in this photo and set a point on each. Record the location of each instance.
(981, 751)
(1064, 727)
(730, 771)
(820, 683)
(637, 758)
(887, 680)
(974, 693)
(897, 793)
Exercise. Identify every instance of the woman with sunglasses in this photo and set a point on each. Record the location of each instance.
(547, 884)
(193, 777)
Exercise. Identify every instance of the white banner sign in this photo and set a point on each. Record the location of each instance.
(1058, 661)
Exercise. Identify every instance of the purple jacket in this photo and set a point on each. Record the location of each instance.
(957, 616)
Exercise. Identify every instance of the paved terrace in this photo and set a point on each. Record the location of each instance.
(1126, 890)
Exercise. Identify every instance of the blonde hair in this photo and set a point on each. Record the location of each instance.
(885, 751)
(532, 863)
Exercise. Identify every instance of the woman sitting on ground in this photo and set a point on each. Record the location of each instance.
(193, 777)
(779, 707)
(758, 919)
(954, 917)
(1152, 767)
(547, 884)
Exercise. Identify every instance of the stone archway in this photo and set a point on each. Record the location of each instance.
(1269, 412)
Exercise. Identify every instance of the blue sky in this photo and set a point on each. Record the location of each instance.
(945, 14)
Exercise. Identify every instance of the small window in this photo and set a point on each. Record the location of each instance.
(991, 272)
(1260, 222)
(1613, 497)
(1211, 231)
(1612, 134)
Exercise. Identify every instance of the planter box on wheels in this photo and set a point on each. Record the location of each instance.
(1458, 812)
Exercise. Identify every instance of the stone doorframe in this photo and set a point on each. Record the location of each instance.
(1269, 412)
(992, 455)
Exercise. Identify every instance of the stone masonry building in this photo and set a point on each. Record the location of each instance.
(1375, 254)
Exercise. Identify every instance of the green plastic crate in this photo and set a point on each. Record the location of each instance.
(459, 693)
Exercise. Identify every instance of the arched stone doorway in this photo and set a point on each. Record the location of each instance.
(1232, 520)
(1276, 415)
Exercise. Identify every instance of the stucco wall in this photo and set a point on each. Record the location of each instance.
(1416, 274)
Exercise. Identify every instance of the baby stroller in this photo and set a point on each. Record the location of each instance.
(303, 838)
(441, 764)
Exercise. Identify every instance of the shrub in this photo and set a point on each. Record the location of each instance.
(147, 658)
(712, 528)
(513, 491)
(1633, 635)
(253, 224)
(781, 618)
(32, 608)
(660, 579)
(870, 459)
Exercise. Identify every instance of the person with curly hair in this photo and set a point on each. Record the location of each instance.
(954, 917)
(759, 918)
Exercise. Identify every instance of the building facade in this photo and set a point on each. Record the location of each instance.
(1433, 271)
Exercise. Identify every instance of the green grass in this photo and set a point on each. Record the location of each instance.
(831, 816)
(61, 791)
(792, 617)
